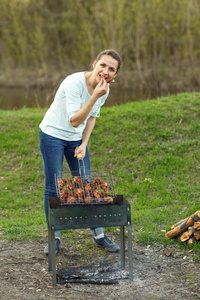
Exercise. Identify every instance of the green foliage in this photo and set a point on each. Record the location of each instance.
(38, 33)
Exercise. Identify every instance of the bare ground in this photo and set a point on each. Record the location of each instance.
(159, 273)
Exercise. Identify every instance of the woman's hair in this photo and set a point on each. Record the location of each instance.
(113, 54)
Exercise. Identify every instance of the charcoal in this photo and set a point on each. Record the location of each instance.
(95, 274)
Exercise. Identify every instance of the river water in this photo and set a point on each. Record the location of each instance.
(16, 98)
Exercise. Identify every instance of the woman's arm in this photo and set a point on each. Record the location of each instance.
(86, 135)
(80, 115)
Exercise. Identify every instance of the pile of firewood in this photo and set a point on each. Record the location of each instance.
(187, 229)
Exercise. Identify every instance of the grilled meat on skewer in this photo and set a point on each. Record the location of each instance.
(96, 181)
(70, 185)
(71, 199)
(64, 193)
(78, 181)
(88, 198)
(61, 183)
(108, 199)
(79, 193)
(87, 185)
(94, 186)
(83, 191)
(97, 194)
(105, 187)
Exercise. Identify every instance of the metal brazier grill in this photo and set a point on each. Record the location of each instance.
(96, 213)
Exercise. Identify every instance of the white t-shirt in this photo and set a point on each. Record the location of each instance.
(71, 95)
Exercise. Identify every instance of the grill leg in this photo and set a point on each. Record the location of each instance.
(130, 254)
(51, 254)
(122, 247)
(49, 247)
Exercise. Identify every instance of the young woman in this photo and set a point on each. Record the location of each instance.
(68, 124)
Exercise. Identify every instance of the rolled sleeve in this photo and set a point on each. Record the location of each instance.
(95, 112)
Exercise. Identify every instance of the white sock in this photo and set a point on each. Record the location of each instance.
(100, 236)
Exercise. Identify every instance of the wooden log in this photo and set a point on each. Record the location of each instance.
(191, 230)
(197, 213)
(186, 235)
(176, 231)
(191, 241)
(197, 225)
(179, 223)
(197, 235)
(193, 218)
(190, 220)
(183, 225)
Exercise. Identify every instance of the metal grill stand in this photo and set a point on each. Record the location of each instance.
(89, 216)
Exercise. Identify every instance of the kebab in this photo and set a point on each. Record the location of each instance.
(79, 192)
(64, 193)
(78, 181)
(71, 199)
(105, 187)
(88, 188)
(61, 183)
(70, 185)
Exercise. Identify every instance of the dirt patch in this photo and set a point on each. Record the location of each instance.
(24, 273)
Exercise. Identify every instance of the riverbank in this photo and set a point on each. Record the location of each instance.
(156, 80)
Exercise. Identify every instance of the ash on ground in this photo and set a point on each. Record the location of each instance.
(159, 272)
(102, 273)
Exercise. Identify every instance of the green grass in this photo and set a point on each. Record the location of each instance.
(152, 148)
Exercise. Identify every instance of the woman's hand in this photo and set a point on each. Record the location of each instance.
(86, 135)
(101, 88)
(80, 115)
(81, 149)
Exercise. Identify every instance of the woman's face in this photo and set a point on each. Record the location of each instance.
(105, 67)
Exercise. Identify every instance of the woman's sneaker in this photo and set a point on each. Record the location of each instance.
(106, 243)
(46, 248)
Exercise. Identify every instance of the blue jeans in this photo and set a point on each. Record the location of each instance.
(53, 151)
